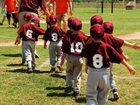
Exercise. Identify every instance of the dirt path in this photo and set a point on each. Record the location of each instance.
(135, 35)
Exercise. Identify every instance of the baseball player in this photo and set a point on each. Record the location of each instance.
(54, 34)
(98, 61)
(97, 19)
(27, 19)
(73, 43)
(116, 43)
(29, 33)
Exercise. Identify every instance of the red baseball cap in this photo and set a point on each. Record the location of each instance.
(96, 20)
(27, 16)
(70, 21)
(97, 31)
(108, 27)
(76, 24)
(53, 19)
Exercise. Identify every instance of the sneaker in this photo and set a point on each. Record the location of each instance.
(115, 94)
(76, 94)
(15, 25)
(29, 70)
(60, 69)
(52, 70)
(23, 63)
(68, 90)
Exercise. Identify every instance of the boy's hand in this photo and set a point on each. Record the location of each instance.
(136, 46)
(132, 70)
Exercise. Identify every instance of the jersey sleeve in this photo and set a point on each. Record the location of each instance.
(20, 31)
(46, 36)
(39, 30)
(115, 57)
(117, 41)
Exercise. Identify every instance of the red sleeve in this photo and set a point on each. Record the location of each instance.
(43, 5)
(46, 36)
(115, 57)
(117, 41)
(39, 30)
(20, 31)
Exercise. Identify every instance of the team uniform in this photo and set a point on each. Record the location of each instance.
(72, 46)
(29, 34)
(54, 34)
(99, 56)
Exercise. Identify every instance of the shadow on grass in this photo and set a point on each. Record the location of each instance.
(16, 64)
(56, 94)
(55, 88)
(25, 71)
(81, 100)
(57, 75)
(12, 55)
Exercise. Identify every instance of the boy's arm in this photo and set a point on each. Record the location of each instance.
(134, 45)
(70, 7)
(17, 41)
(63, 58)
(45, 44)
(125, 56)
(129, 67)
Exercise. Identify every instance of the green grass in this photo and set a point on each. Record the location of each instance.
(40, 88)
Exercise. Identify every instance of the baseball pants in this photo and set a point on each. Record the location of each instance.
(28, 49)
(112, 80)
(74, 71)
(55, 53)
(98, 85)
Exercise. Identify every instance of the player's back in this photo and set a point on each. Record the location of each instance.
(73, 43)
(30, 31)
(100, 55)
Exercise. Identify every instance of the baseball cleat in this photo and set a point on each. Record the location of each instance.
(52, 70)
(68, 90)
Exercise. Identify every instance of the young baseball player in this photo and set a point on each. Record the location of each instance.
(73, 43)
(29, 33)
(27, 19)
(54, 34)
(99, 20)
(116, 43)
(99, 55)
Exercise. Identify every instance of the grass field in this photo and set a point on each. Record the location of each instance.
(41, 88)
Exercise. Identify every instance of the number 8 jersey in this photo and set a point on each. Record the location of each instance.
(73, 43)
(99, 55)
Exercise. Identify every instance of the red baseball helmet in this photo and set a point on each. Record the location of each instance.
(76, 24)
(70, 22)
(97, 31)
(96, 20)
(27, 16)
(108, 27)
(53, 19)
